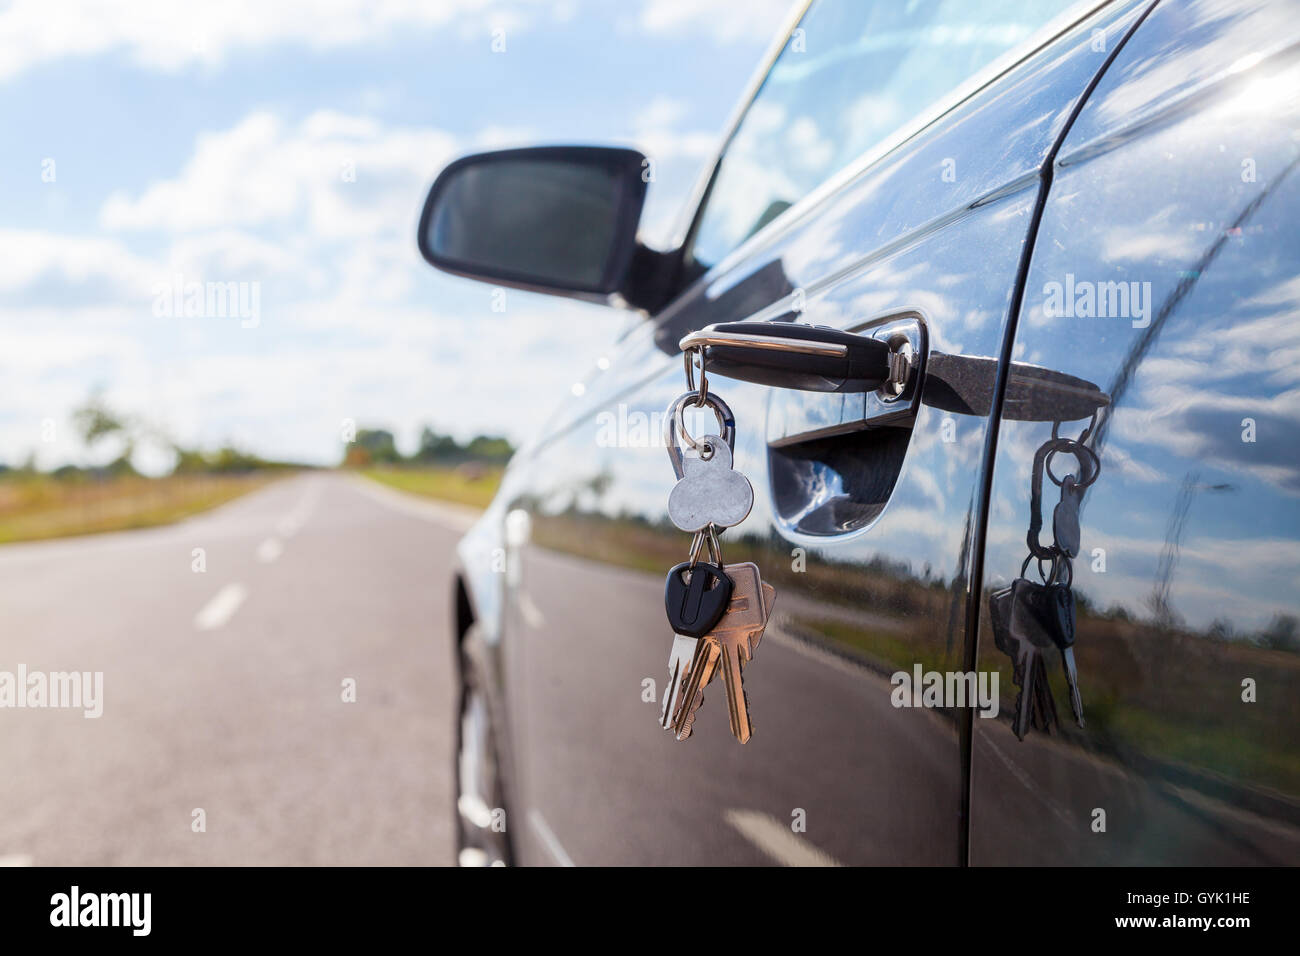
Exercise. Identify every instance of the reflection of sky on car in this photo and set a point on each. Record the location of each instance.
(858, 73)
(1232, 337)
(1181, 491)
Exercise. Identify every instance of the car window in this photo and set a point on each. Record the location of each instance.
(851, 73)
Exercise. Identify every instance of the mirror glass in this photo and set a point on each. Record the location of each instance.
(558, 218)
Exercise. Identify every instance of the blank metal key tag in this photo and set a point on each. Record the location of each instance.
(710, 491)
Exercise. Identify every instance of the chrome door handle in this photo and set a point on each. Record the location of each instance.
(812, 358)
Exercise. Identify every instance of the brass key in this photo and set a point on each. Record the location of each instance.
(730, 645)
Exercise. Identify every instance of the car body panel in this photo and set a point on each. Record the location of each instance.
(575, 608)
(1179, 174)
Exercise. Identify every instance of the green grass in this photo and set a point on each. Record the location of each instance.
(463, 486)
(35, 507)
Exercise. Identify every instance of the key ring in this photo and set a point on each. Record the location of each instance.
(1087, 458)
(1079, 449)
(703, 396)
(1090, 468)
(1041, 457)
(674, 422)
(709, 534)
(1046, 578)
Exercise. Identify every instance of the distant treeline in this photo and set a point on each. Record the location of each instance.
(223, 461)
(97, 423)
(376, 446)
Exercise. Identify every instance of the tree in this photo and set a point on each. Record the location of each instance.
(1280, 635)
(434, 446)
(489, 448)
(96, 421)
(378, 444)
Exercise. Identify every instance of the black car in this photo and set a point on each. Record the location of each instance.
(1065, 240)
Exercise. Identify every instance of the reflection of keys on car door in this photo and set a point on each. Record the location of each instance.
(1019, 633)
(1058, 615)
(729, 646)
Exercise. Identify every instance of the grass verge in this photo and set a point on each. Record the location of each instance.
(465, 486)
(36, 507)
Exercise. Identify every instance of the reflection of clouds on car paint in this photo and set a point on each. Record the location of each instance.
(1209, 33)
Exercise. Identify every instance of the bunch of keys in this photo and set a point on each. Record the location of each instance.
(1030, 617)
(717, 611)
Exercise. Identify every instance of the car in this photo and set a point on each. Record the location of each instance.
(997, 305)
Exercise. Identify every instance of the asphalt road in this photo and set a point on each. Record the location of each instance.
(223, 688)
(223, 691)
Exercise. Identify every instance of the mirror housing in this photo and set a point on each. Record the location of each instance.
(554, 219)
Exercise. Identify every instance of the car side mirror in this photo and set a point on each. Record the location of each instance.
(555, 219)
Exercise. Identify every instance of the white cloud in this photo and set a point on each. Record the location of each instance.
(347, 307)
(723, 19)
(261, 172)
(168, 35)
(28, 255)
(115, 275)
(656, 132)
(352, 323)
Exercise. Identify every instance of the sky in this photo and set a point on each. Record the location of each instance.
(279, 153)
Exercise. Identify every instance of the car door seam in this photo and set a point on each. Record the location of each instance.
(975, 585)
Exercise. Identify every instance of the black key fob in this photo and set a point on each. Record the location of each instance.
(1000, 606)
(1058, 610)
(1027, 615)
(696, 598)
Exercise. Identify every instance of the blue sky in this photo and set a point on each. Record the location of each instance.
(286, 146)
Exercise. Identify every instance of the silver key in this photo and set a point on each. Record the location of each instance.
(710, 491)
(692, 693)
(679, 663)
(729, 646)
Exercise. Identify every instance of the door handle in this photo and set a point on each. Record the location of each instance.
(812, 358)
(836, 450)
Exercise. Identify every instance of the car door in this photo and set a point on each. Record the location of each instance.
(1165, 272)
(865, 505)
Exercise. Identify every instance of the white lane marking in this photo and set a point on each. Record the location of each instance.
(548, 838)
(16, 859)
(455, 517)
(1027, 781)
(221, 608)
(530, 612)
(269, 550)
(776, 839)
(292, 523)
